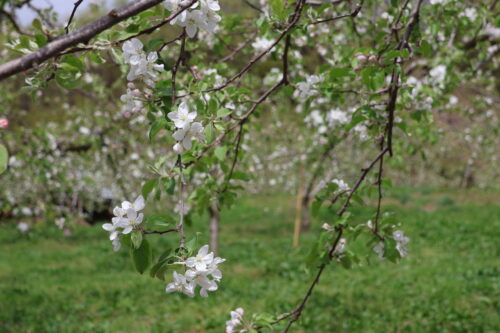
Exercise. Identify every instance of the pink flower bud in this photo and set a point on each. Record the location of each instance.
(126, 115)
(131, 85)
(361, 58)
(4, 123)
(240, 311)
(372, 58)
(136, 93)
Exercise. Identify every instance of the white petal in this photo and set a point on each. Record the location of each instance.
(108, 227)
(203, 251)
(139, 203)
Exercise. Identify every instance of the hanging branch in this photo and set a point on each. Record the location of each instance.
(83, 35)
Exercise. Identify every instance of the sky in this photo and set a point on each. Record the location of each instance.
(62, 7)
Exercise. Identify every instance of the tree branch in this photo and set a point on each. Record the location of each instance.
(82, 35)
(75, 7)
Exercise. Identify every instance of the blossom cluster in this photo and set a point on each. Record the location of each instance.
(308, 88)
(235, 321)
(142, 65)
(132, 101)
(127, 218)
(199, 270)
(187, 130)
(262, 44)
(205, 18)
(342, 186)
(401, 241)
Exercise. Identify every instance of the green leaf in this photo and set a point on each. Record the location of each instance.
(41, 40)
(390, 251)
(346, 261)
(168, 185)
(158, 270)
(4, 158)
(315, 207)
(212, 106)
(159, 219)
(209, 133)
(153, 44)
(67, 79)
(142, 256)
(339, 72)
(71, 60)
(157, 125)
(136, 238)
(220, 153)
(425, 48)
(263, 319)
(148, 187)
(191, 245)
(397, 53)
(240, 175)
(223, 113)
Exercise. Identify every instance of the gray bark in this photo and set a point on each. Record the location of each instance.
(214, 213)
(82, 35)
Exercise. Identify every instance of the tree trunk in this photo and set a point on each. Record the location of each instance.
(213, 211)
(306, 216)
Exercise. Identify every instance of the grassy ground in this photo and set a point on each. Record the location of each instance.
(450, 282)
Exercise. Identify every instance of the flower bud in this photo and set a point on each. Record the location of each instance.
(4, 123)
(361, 57)
(372, 58)
(325, 226)
(131, 85)
(126, 115)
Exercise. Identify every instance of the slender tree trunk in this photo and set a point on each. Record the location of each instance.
(298, 217)
(306, 216)
(214, 213)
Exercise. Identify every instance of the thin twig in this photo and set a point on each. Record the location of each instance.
(150, 232)
(75, 7)
(352, 14)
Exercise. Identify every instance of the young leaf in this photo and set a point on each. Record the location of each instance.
(136, 238)
(142, 256)
(148, 187)
(4, 158)
(220, 153)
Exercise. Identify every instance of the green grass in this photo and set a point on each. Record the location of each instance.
(449, 283)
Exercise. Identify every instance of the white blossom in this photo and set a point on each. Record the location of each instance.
(337, 116)
(180, 284)
(147, 69)
(125, 219)
(23, 227)
(438, 73)
(379, 250)
(201, 260)
(340, 245)
(132, 103)
(182, 116)
(308, 88)
(133, 51)
(262, 44)
(185, 135)
(236, 318)
(60, 222)
(342, 186)
(401, 241)
(203, 271)
(193, 21)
